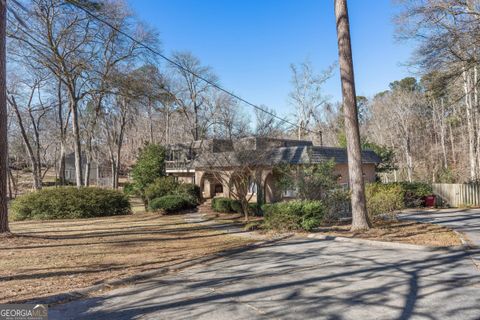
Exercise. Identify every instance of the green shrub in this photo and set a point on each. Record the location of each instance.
(172, 203)
(221, 205)
(337, 203)
(129, 189)
(226, 205)
(191, 189)
(161, 187)
(294, 215)
(384, 198)
(255, 209)
(235, 206)
(391, 197)
(70, 203)
(150, 165)
(414, 192)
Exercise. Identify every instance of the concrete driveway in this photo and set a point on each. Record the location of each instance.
(301, 279)
(466, 221)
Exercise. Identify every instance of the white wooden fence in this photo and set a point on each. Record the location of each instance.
(458, 194)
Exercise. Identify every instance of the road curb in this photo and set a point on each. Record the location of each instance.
(111, 284)
(389, 245)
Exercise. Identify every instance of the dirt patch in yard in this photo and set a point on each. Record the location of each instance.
(399, 231)
(49, 257)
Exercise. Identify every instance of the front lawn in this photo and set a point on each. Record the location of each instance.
(49, 257)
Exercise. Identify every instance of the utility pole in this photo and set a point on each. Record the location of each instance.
(359, 209)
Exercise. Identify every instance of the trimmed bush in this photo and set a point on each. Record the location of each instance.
(172, 203)
(384, 198)
(294, 215)
(161, 187)
(190, 189)
(226, 205)
(221, 205)
(70, 203)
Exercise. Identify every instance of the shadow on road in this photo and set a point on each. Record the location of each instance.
(302, 279)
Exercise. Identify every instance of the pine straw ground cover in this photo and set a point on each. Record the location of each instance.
(410, 232)
(44, 258)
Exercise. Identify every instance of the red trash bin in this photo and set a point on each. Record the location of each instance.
(430, 201)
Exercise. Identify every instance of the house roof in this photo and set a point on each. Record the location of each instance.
(319, 154)
(284, 155)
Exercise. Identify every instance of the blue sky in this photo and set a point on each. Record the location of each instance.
(251, 43)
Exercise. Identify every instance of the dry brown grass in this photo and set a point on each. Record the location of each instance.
(49, 257)
(400, 231)
(411, 232)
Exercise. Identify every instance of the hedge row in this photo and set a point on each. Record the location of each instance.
(173, 203)
(227, 205)
(70, 203)
(294, 215)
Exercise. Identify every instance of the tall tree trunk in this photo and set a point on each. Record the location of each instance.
(113, 167)
(76, 144)
(470, 125)
(88, 168)
(3, 122)
(150, 121)
(167, 128)
(452, 145)
(359, 210)
(61, 167)
(10, 182)
(409, 159)
(37, 184)
(195, 130)
(442, 135)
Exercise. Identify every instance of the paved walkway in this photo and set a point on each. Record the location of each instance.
(301, 279)
(466, 221)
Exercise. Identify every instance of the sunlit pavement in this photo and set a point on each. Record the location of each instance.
(301, 279)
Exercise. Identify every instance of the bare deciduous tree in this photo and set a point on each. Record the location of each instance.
(306, 95)
(192, 92)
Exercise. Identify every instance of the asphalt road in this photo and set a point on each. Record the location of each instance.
(301, 279)
(466, 221)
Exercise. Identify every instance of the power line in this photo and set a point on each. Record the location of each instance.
(213, 84)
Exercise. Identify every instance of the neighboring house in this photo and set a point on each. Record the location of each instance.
(203, 161)
(100, 173)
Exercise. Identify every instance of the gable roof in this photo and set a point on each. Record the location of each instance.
(340, 155)
(283, 155)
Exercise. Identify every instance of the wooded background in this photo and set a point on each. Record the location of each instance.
(75, 84)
